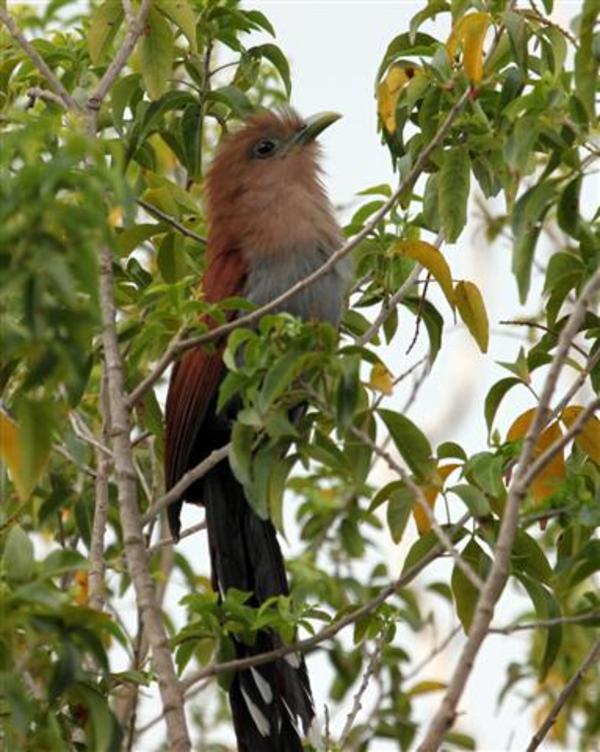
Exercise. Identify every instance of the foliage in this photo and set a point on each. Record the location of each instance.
(521, 93)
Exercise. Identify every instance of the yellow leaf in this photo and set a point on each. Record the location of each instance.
(82, 588)
(10, 453)
(381, 379)
(469, 33)
(472, 311)
(546, 481)
(425, 687)
(588, 439)
(115, 215)
(431, 492)
(388, 93)
(430, 257)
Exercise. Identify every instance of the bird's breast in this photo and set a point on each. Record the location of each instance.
(320, 301)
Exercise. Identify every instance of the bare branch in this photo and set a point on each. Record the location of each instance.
(165, 361)
(545, 623)
(36, 92)
(159, 214)
(372, 667)
(186, 481)
(592, 657)
(435, 651)
(180, 347)
(135, 547)
(390, 306)
(97, 564)
(498, 576)
(184, 534)
(54, 82)
(331, 629)
(136, 29)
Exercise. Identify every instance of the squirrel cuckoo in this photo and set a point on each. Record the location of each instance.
(270, 224)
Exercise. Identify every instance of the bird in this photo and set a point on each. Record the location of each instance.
(270, 223)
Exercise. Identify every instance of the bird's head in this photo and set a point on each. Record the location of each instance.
(263, 188)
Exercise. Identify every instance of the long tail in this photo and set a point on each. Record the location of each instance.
(267, 701)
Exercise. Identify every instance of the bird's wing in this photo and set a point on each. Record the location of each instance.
(196, 377)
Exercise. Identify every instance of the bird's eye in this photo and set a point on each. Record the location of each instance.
(264, 148)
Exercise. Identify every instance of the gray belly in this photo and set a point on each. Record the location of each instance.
(320, 301)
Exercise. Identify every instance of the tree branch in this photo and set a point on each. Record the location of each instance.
(357, 701)
(135, 547)
(545, 623)
(178, 348)
(498, 576)
(65, 99)
(159, 214)
(135, 31)
(186, 481)
(592, 657)
(331, 629)
(97, 565)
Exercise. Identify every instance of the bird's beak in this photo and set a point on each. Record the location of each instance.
(313, 126)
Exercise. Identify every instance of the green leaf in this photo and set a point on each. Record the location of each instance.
(106, 735)
(567, 213)
(399, 508)
(454, 184)
(36, 422)
(410, 441)
(278, 60)
(171, 260)
(431, 10)
(18, 555)
(240, 454)
(279, 376)
(191, 132)
(277, 481)
(586, 63)
(528, 215)
(157, 50)
(485, 469)
(527, 557)
(471, 308)
(465, 593)
(182, 15)
(132, 237)
(121, 94)
(234, 98)
(495, 396)
(347, 392)
(518, 148)
(434, 323)
(474, 499)
(517, 33)
(546, 607)
(104, 24)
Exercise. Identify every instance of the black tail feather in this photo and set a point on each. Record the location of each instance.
(268, 701)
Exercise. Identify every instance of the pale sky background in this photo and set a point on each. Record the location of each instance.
(334, 48)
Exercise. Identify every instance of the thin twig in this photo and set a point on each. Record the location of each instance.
(159, 214)
(97, 564)
(372, 667)
(498, 575)
(171, 690)
(433, 653)
(544, 328)
(47, 95)
(186, 481)
(390, 306)
(331, 629)
(178, 348)
(54, 82)
(591, 658)
(168, 541)
(545, 623)
(136, 28)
